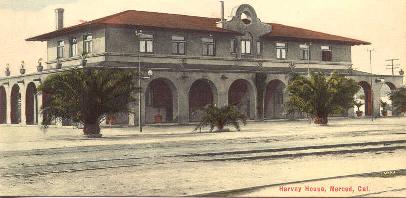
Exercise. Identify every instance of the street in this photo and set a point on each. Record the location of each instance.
(171, 160)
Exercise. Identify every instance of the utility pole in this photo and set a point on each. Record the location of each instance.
(372, 93)
(392, 65)
(308, 57)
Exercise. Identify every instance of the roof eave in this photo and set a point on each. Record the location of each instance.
(355, 42)
(50, 35)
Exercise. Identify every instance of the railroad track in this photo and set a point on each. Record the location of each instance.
(143, 159)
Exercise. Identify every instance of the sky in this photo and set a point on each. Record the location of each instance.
(381, 22)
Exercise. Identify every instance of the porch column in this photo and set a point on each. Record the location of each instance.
(40, 115)
(8, 96)
(23, 93)
(222, 87)
(132, 117)
(376, 99)
(183, 104)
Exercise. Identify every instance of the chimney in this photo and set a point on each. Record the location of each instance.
(59, 18)
(222, 14)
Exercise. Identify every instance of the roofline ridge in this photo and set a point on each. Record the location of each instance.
(156, 12)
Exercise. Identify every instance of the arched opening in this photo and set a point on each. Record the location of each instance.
(3, 105)
(160, 102)
(15, 105)
(246, 18)
(367, 97)
(31, 104)
(385, 90)
(274, 100)
(241, 95)
(201, 94)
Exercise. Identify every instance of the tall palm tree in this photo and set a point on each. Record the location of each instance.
(320, 95)
(86, 96)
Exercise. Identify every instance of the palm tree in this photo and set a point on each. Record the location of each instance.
(358, 104)
(398, 98)
(320, 96)
(221, 117)
(384, 108)
(86, 96)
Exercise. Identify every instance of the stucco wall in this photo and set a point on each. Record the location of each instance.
(98, 44)
(124, 40)
(341, 53)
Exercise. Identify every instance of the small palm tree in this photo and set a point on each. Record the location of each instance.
(384, 107)
(215, 117)
(398, 98)
(358, 104)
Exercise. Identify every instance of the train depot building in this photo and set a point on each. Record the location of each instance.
(195, 61)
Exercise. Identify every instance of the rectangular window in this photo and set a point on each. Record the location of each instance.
(304, 52)
(281, 50)
(259, 48)
(178, 45)
(61, 45)
(208, 47)
(146, 43)
(326, 53)
(234, 46)
(73, 47)
(245, 47)
(88, 44)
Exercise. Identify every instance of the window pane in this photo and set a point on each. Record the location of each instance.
(74, 49)
(283, 53)
(146, 36)
(88, 37)
(174, 48)
(211, 50)
(325, 47)
(304, 46)
(280, 44)
(248, 47)
(278, 53)
(178, 38)
(243, 45)
(142, 46)
(181, 48)
(204, 49)
(326, 55)
(149, 46)
(305, 54)
(258, 47)
(90, 46)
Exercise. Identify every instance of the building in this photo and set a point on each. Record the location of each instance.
(196, 61)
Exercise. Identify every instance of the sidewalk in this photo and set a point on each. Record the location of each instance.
(27, 138)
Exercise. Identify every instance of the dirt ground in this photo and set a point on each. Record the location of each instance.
(172, 161)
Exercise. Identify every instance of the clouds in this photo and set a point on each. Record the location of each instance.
(30, 4)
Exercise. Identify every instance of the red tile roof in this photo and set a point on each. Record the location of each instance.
(133, 18)
(285, 32)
